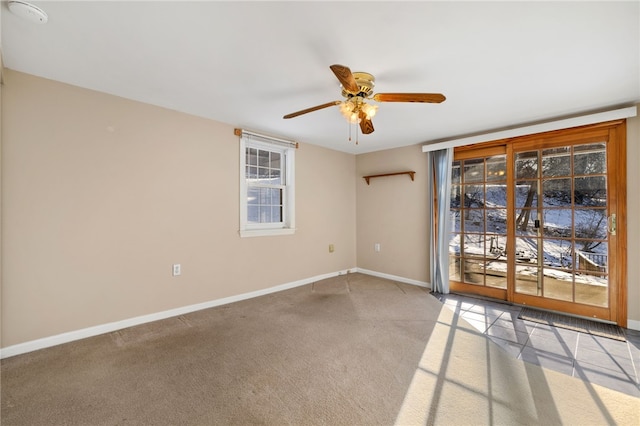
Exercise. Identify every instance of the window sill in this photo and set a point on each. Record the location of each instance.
(244, 233)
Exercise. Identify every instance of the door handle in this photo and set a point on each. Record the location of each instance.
(611, 223)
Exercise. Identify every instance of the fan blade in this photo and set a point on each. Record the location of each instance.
(366, 126)
(434, 98)
(345, 77)
(315, 108)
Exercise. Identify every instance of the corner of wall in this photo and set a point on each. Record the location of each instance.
(1, 192)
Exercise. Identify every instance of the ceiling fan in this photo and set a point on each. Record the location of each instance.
(357, 87)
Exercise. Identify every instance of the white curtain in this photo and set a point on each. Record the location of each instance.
(440, 187)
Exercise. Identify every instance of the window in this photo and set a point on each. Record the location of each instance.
(266, 186)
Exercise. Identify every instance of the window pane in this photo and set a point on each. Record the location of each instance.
(558, 253)
(497, 221)
(455, 172)
(251, 172)
(263, 173)
(590, 191)
(496, 195)
(454, 216)
(474, 221)
(525, 222)
(265, 196)
(263, 158)
(497, 168)
(275, 160)
(591, 224)
(496, 246)
(474, 245)
(590, 159)
(473, 272)
(253, 196)
(527, 279)
(556, 162)
(276, 214)
(265, 214)
(591, 257)
(592, 289)
(527, 250)
(557, 223)
(556, 192)
(474, 170)
(558, 284)
(455, 196)
(253, 214)
(274, 177)
(454, 244)
(527, 165)
(496, 274)
(252, 156)
(473, 196)
(276, 196)
(454, 268)
(527, 194)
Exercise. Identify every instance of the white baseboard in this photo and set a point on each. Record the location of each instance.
(71, 336)
(394, 277)
(84, 333)
(633, 325)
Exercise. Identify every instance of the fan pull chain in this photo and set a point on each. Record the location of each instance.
(356, 127)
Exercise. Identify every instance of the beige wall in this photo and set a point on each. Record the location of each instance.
(101, 195)
(392, 211)
(1, 174)
(633, 223)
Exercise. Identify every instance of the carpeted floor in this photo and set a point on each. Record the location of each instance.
(341, 351)
(352, 350)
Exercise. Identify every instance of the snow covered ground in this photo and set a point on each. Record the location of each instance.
(559, 253)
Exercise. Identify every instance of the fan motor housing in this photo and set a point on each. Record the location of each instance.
(366, 83)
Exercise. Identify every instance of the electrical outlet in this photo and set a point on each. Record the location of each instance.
(376, 247)
(331, 248)
(177, 269)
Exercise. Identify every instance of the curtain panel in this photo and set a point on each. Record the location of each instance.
(440, 163)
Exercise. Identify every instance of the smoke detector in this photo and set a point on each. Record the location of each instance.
(28, 11)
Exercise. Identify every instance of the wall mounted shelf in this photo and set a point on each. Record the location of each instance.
(410, 173)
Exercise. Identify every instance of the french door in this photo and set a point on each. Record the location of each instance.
(539, 221)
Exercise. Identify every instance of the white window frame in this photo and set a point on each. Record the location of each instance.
(287, 150)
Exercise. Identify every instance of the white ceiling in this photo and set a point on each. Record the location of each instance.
(499, 64)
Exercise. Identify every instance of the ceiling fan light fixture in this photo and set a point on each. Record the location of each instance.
(369, 110)
(357, 87)
(351, 108)
(346, 107)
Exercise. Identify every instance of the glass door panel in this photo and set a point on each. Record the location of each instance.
(561, 225)
(478, 242)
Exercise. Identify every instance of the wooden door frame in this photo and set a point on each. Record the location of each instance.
(615, 133)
